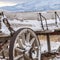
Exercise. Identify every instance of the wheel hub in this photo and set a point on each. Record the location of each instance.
(28, 46)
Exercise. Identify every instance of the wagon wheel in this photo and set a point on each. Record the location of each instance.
(24, 45)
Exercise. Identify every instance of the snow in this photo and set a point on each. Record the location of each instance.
(54, 46)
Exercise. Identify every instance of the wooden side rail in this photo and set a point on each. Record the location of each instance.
(56, 32)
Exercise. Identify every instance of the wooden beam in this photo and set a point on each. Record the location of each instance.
(48, 43)
(0, 26)
(56, 32)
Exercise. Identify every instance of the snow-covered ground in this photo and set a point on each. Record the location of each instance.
(54, 46)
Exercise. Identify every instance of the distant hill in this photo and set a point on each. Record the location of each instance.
(34, 5)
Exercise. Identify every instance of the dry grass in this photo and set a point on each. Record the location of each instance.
(52, 37)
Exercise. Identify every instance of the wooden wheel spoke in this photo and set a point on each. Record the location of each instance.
(21, 43)
(32, 41)
(20, 50)
(18, 57)
(27, 57)
(28, 37)
(35, 48)
(23, 38)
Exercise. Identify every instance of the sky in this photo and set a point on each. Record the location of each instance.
(6, 3)
(29, 5)
(12, 2)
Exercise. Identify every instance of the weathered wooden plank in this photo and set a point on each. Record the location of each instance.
(4, 35)
(56, 32)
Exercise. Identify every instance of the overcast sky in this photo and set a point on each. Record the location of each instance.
(15, 1)
(12, 2)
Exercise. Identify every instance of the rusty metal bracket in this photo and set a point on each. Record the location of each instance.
(56, 15)
(41, 16)
(5, 21)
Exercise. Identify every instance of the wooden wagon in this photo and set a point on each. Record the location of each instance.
(24, 44)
